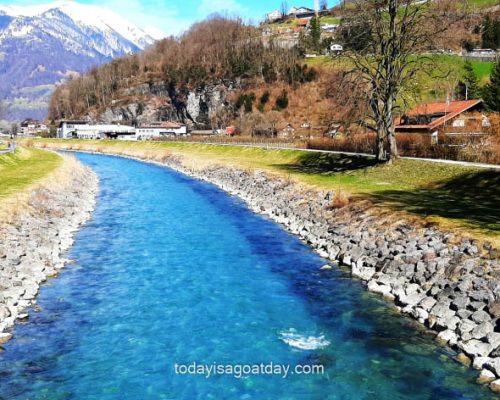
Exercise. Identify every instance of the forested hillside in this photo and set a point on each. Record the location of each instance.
(215, 51)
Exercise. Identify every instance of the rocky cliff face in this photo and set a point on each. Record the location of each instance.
(162, 102)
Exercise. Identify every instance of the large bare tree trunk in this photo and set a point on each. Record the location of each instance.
(392, 151)
(379, 146)
(393, 147)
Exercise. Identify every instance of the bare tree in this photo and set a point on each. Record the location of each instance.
(400, 31)
(274, 117)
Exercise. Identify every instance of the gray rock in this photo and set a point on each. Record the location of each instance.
(485, 376)
(493, 365)
(476, 348)
(463, 314)
(381, 289)
(364, 273)
(495, 386)
(427, 303)
(447, 337)
(493, 338)
(5, 337)
(480, 362)
(466, 326)
(482, 330)
(480, 317)
(459, 303)
(4, 312)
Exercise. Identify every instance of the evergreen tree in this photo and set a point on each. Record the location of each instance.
(315, 34)
(491, 33)
(486, 33)
(471, 82)
(492, 89)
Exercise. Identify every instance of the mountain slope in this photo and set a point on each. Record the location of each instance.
(43, 45)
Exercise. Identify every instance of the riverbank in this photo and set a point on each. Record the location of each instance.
(39, 215)
(449, 284)
(454, 197)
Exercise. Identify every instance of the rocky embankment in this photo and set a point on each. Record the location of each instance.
(449, 284)
(32, 243)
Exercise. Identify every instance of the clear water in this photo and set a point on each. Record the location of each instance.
(172, 270)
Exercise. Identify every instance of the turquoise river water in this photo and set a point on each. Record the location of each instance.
(171, 271)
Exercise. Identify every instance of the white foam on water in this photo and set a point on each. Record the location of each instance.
(303, 342)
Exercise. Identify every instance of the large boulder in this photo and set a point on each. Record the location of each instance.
(5, 337)
(476, 348)
(486, 377)
(495, 386)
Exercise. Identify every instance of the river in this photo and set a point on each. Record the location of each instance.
(171, 271)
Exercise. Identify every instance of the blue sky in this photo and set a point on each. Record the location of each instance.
(174, 16)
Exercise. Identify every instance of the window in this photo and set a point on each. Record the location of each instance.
(459, 123)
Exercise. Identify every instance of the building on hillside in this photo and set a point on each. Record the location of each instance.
(32, 127)
(274, 16)
(455, 118)
(336, 48)
(285, 130)
(301, 12)
(481, 55)
(160, 129)
(302, 24)
(329, 28)
(79, 129)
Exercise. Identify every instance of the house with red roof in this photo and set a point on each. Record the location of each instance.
(448, 118)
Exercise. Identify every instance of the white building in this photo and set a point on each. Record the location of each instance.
(274, 16)
(330, 28)
(160, 129)
(336, 48)
(31, 127)
(301, 12)
(86, 130)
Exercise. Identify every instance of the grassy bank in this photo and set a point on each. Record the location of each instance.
(22, 168)
(447, 71)
(461, 198)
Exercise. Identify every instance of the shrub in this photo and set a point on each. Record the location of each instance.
(340, 199)
(282, 101)
(264, 99)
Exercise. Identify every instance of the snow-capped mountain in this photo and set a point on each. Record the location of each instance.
(42, 45)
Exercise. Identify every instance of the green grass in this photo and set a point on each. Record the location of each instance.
(457, 197)
(22, 168)
(482, 69)
(482, 3)
(330, 20)
(446, 71)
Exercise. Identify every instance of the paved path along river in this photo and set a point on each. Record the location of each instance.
(173, 271)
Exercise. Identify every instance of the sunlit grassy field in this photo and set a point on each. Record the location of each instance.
(20, 169)
(457, 197)
(447, 70)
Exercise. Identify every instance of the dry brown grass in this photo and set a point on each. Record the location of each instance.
(340, 199)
